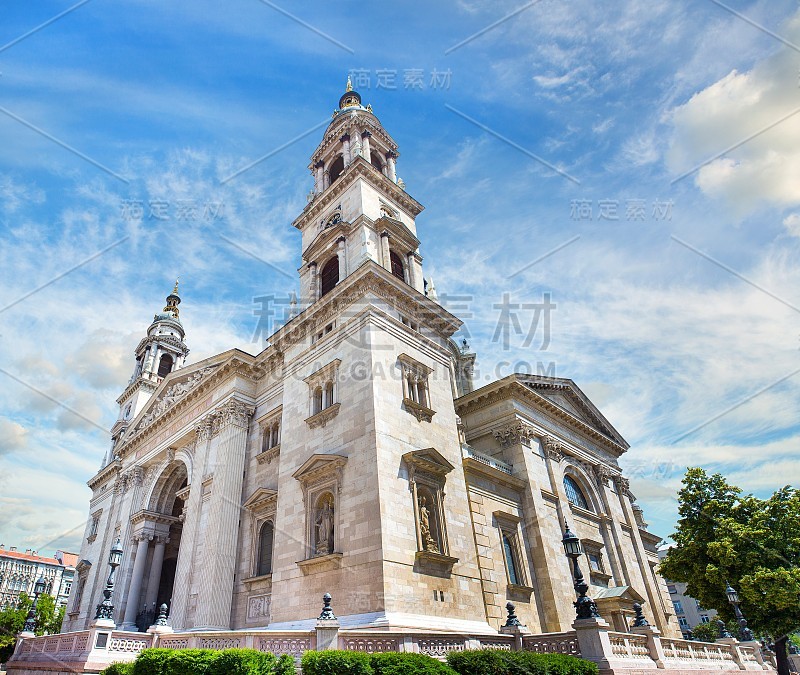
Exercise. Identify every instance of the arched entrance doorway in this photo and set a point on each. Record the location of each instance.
(158, 527)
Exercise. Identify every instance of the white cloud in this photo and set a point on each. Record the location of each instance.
(13, 436)
(736, 123)
(792, 224)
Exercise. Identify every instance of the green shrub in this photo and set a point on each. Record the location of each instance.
(174, 662)
(209, 662)
(496, 662)
(119, 669)
(393, 663)
(336, 662)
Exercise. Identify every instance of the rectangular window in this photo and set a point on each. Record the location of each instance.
(683, 622)
(678, 606)
(704, 618)
(416, 392)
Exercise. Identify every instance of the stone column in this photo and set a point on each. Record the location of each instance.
(155, 572)
(313, 291)
(656, 609)
(135, 588)
(384, 252)
(391, 166)
(319, 180)
(553, 455)
(183, 571)
(326, 180)
(410, 262)
(342, 257)
(365, 149)
(617, 561)
(345, 139)
(214, 600)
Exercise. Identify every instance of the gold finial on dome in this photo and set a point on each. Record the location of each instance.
(349, 84)
(173, 300)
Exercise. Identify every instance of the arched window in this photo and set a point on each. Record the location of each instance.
(397, 265)
(574, 494)
(336, 168)
(265, 540)
(330, 275)
(165, 365)
(317, 400)
(376, 161)
(511, 561)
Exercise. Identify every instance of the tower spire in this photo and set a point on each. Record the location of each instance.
(173, 300)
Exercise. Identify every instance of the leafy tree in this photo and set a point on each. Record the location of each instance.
(706, 632)
(12, 621)
(709, 632)
(753, 544)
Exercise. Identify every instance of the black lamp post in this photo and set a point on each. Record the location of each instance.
(30, 620)
(745, 634)
(105, 610)
(585, 607)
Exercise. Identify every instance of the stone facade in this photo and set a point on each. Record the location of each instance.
(353, 456)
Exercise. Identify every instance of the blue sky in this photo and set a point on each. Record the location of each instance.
(650, 148)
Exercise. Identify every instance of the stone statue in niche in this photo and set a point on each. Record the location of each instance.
(428, 542)
(324, 525)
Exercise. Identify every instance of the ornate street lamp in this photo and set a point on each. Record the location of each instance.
(30, 620)
(585, 607)
(745, 634)
(105, 610)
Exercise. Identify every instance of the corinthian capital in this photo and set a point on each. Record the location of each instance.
(203, 429)
(553, 448)
(514, 433)
(623, 485)
(233, 412)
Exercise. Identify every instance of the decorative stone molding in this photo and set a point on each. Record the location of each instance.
(203, 429)
(553, 448)
(421, 412)
(234, 413)
(171, 396)
(267, 456)
(514, 433)
(603, 473)
(323, 416)
(623, 485)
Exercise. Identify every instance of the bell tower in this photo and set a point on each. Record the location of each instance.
(159, 353)
(359, 209)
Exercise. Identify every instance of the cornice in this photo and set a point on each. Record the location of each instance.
(368, 278)
(359, 167)
(139, 383)
(510, 387)
(345, 123)
(106, 472)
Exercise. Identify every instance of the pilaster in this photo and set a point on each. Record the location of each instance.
(230, 423)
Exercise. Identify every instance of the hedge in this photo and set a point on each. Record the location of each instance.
(204, 662)
(119, 669)
(496, 662)
(336, 662)
(340, 662)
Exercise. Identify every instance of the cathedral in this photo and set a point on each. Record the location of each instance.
(354, 455)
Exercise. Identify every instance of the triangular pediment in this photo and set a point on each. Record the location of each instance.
(429, 459)
(317, 465)
(565, 395)
(623, 593)
(260, 499)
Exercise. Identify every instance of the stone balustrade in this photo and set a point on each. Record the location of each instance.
(91, 650)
